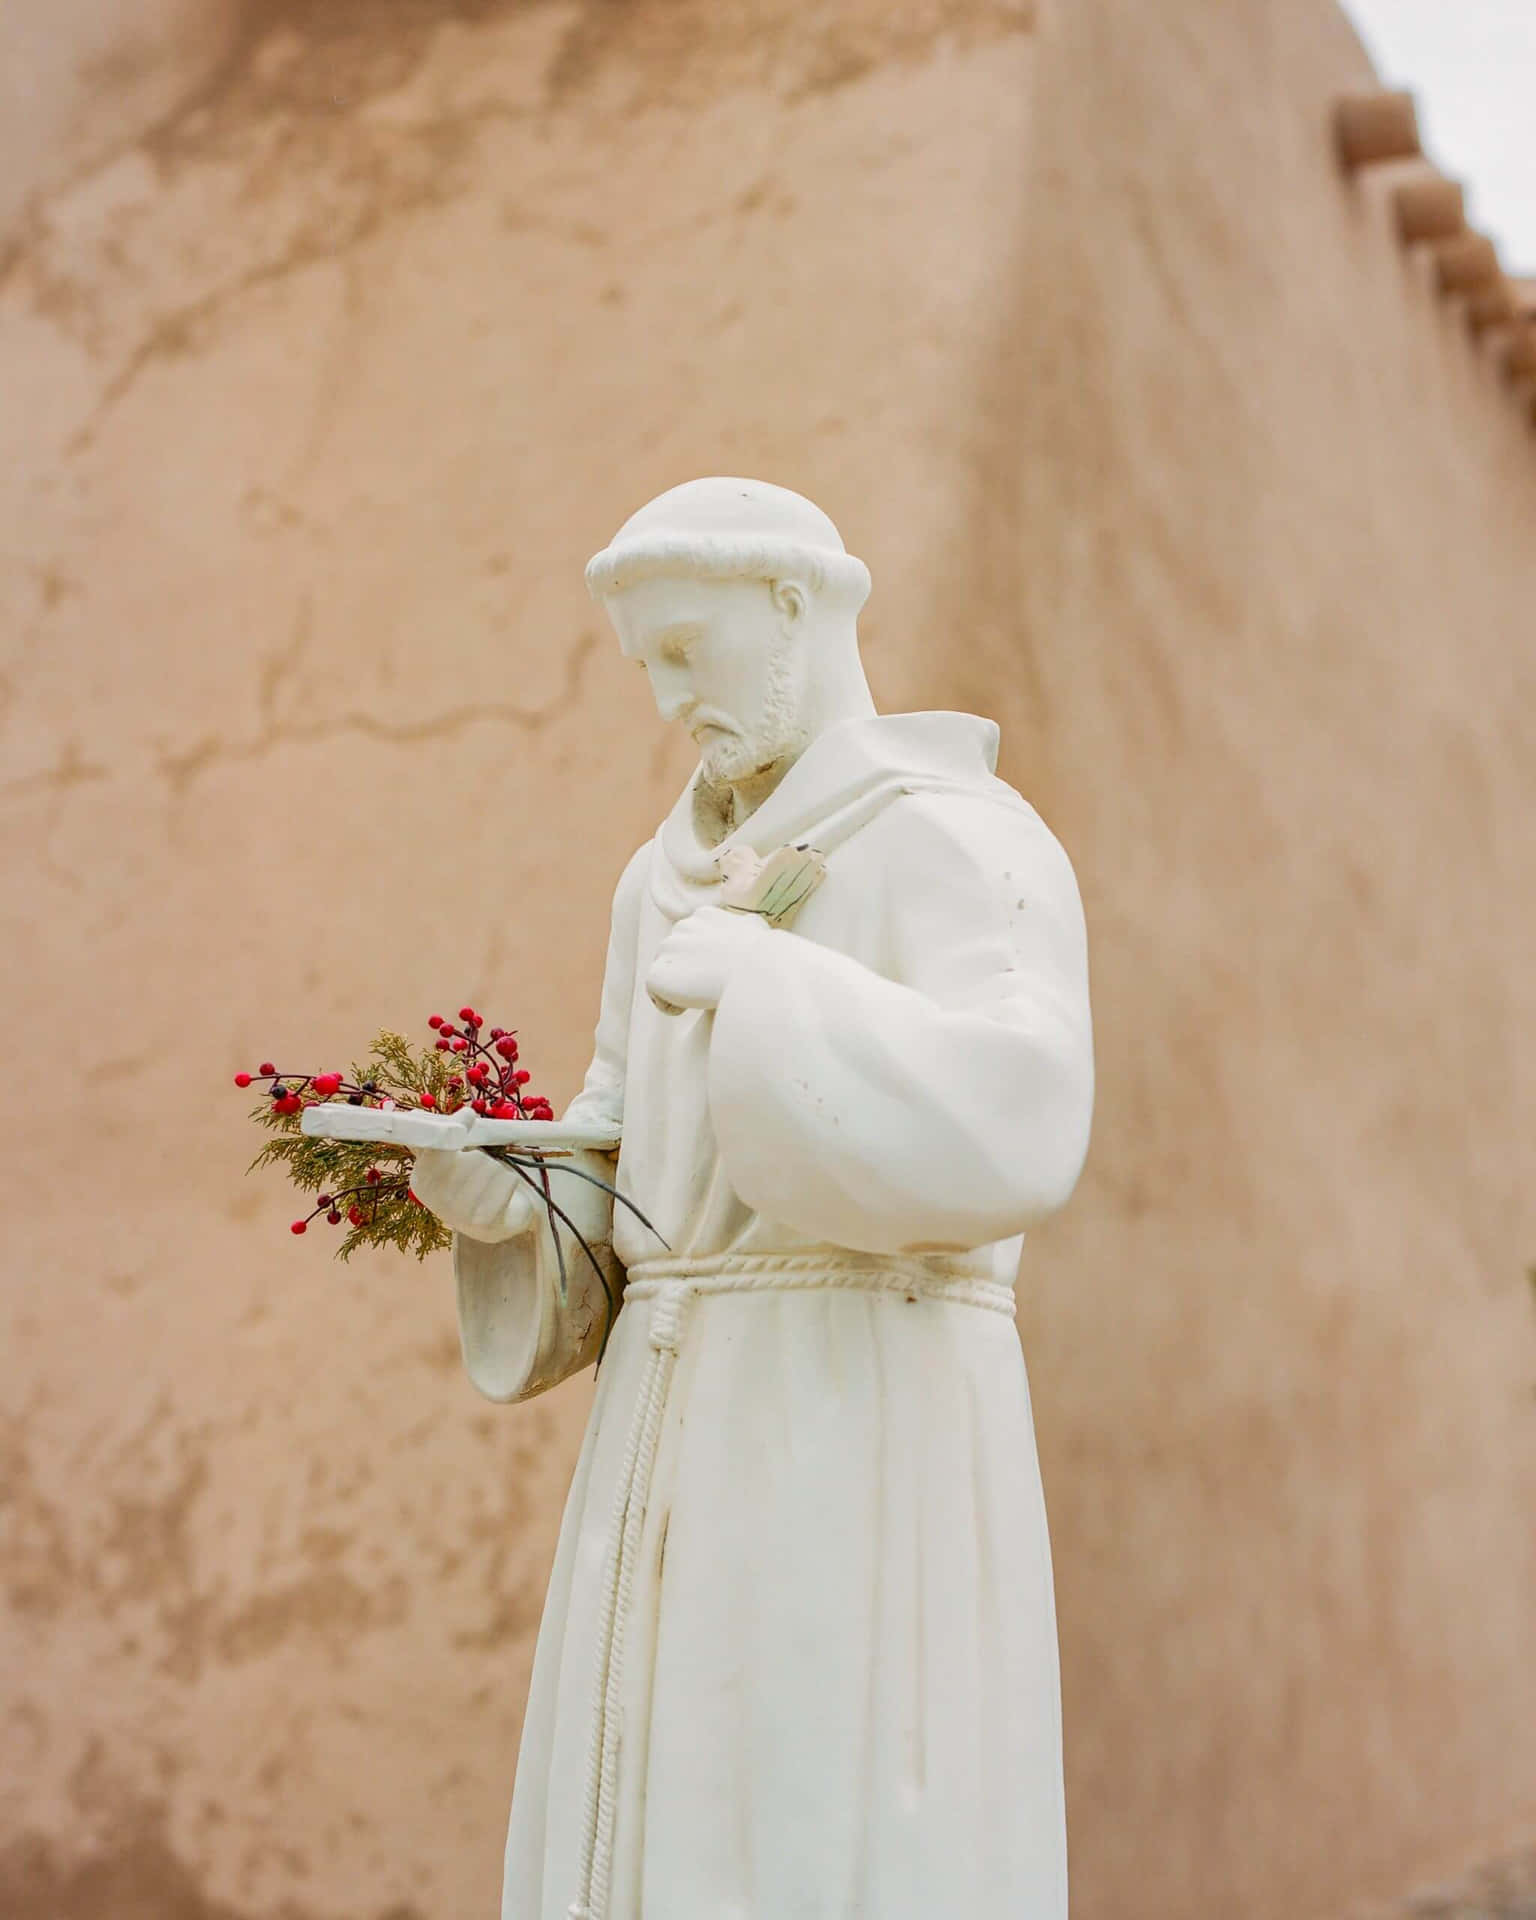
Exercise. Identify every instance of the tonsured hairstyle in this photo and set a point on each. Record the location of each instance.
(731, 529)
(712, 556)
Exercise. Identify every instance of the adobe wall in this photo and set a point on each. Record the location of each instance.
(1275, 682)
(321, 386)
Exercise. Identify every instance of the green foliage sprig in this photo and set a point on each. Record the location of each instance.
(366, 1185)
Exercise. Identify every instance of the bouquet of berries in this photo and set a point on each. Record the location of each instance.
(366, 1183)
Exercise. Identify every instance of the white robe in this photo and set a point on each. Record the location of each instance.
(798, 1657)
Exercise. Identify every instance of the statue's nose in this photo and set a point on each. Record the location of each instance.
(674, 697)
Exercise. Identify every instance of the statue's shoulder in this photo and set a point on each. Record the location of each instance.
(951, 853)
(972, 826)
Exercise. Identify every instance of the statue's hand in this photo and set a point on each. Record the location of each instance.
(473, 1194)
(695, 961)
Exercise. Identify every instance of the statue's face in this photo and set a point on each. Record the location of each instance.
(725, 662)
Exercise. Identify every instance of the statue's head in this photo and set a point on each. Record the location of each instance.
(741, 603)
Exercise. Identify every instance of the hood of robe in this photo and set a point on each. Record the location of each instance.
(842, 780)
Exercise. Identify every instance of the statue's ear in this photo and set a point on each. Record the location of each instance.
(788, 597)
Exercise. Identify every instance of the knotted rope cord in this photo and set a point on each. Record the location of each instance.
(624, 1529)
(928, 1277)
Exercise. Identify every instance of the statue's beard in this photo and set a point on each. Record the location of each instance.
(776, 736)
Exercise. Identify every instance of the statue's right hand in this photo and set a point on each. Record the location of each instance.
(473, 1194)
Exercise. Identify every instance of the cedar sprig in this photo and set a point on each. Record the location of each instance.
(366, 1184)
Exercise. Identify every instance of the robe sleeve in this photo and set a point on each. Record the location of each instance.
(518, 1336)
(942, 1104)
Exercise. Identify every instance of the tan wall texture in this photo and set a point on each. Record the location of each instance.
(333, 337)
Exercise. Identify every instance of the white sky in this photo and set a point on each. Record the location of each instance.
(1472, 66)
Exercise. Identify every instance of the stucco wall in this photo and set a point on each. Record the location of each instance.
(318, 395)
(1275, 681)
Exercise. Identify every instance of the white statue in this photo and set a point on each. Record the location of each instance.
(798, 1659)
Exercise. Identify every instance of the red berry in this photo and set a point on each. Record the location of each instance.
(299, 1226)
(266, 1067)
(435, 1022)
(497, 1032)
(507, 1048)
(242, 1079)
(441, 1045)
(334, 1217)
(459, 1046)
(322, 1199)
(429, 1103)
(467, 1015)
(522, 1076)
(355, 1215)
(326, 1083)
(374, 1176)
(504, 1110)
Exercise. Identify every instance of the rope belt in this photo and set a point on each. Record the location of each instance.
(672, 1285)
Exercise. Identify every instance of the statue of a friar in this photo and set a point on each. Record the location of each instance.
(798, 1659)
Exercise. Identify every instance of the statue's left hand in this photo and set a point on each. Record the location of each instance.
(695, 961)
